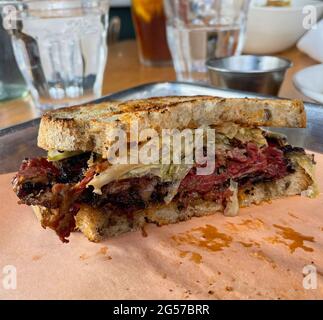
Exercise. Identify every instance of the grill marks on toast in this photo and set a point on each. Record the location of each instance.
(84, 127)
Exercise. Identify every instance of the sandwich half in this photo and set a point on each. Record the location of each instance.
(79, 187)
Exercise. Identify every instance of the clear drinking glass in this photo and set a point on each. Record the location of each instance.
(12, 84)
(198, 30)
(60, 47)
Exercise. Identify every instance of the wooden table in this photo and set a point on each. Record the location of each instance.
(124, 70)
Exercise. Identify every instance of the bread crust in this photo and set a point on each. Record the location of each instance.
(96, 225)
(85, 128)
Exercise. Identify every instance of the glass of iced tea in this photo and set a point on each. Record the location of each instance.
(149, 20)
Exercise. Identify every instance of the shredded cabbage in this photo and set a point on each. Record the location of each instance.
(174, 173)
(243, 134)
(55, 155)
(305, 162)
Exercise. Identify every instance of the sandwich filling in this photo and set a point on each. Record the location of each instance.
(64, 181)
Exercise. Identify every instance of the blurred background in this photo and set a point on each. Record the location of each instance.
(66, 52)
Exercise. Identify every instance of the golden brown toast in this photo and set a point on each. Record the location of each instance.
(85, 128)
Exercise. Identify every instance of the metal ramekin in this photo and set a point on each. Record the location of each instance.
(253, 73)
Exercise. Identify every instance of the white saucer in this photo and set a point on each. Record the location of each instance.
(310, 82)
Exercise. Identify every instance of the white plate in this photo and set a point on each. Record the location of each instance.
(310, 82)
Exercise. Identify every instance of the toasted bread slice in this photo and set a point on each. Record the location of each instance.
(97, 225)
(85, 128)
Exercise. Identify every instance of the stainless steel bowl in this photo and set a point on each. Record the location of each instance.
(261, 74)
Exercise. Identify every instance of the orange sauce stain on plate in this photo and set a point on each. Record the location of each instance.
(195, 257)
(252, 224)
(262, 256)
(103, 250)
(245, 244)
(291, 238)
(84, 256)
(293, 215)
(246, 224)
(207, 237)
(249, 244)
(36, 257)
